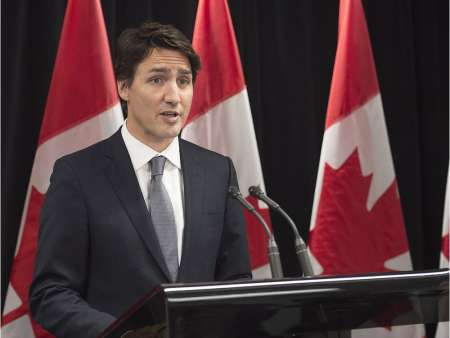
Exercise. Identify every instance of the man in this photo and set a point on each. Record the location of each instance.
(140, 208)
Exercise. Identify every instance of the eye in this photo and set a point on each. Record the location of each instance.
(184, 81)
(155, 80)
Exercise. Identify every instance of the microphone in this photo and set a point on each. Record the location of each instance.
(300, 246)
(272, 247)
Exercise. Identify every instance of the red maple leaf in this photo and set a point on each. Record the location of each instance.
(23, 267)
(348, 238)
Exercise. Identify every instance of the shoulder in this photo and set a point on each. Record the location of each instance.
(192, 150)
(90, 156)
(212, 164)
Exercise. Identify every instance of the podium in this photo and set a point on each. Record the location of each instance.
(303, 307)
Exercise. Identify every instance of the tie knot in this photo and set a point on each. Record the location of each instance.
(157, 165)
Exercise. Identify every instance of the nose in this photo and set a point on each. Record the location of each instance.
(172, 94)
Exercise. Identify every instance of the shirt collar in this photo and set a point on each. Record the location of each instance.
(141, 153)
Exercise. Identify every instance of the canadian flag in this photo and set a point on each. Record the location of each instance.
(357, 224)
(82, 108)
(443, 328)
(220, 117)
(446, 221)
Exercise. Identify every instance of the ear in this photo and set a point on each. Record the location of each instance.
(122, 88)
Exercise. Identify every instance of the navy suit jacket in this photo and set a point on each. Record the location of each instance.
(98, 253)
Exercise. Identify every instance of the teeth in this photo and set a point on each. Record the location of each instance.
(170, 114)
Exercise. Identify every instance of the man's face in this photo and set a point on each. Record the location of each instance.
(159, 97)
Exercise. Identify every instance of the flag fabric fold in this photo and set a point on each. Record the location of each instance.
(357, 223)
(443, 327)
(82, 108)
(444, 260)
(220, 117)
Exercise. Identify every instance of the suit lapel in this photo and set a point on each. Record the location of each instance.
(193, 180)
(124, 181)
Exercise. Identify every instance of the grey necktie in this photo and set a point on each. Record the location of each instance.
(162, 216)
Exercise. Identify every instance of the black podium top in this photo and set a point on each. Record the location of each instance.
(290, 307)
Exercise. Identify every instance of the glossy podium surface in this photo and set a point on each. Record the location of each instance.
(291, 307)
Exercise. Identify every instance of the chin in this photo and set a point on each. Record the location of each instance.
(173, 132)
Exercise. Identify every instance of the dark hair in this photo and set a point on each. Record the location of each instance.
(134, 44)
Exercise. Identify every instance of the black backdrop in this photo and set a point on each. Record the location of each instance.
(287, 50)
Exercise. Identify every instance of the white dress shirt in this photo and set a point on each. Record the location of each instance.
(140, 155)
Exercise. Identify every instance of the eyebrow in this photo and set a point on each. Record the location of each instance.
(166, 70)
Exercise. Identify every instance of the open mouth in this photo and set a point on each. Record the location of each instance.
(170, 113)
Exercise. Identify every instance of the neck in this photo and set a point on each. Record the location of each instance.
(157, 145)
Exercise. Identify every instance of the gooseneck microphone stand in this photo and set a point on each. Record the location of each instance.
(300, 246)
(272, 247)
